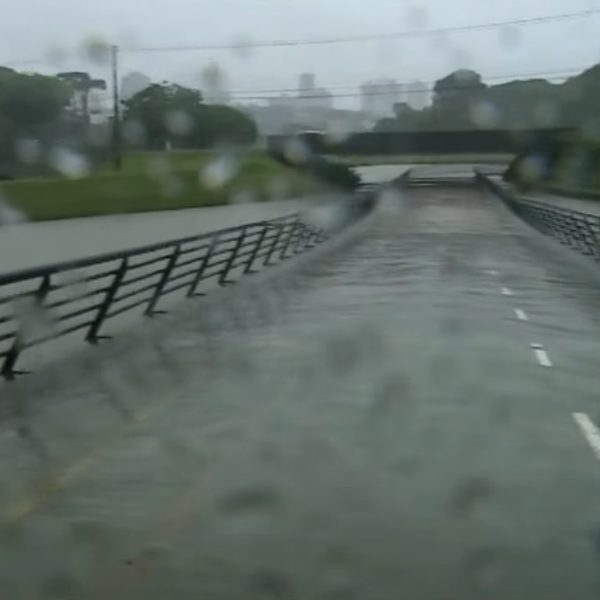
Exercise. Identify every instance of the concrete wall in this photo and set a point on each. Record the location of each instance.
(428, 142)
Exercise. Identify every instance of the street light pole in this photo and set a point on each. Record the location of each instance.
(116, 124)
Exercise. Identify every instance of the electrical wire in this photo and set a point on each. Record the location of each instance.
(371, 37)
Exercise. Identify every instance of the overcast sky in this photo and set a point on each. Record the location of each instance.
(31, 28)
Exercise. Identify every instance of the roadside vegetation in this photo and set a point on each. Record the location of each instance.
(570, 166)
(57, 162)
(159, 181)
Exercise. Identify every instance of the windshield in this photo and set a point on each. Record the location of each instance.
(299, 300)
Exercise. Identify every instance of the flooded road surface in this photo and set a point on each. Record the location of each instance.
(404, 418)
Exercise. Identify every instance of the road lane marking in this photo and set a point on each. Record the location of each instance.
(493, 272)
(31, 501)
(590, 432)
(521, 314)
(507, 292)
(541, 355)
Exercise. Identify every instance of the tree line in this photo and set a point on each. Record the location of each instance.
(39, 113)
(462, 101)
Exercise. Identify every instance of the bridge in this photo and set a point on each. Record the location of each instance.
(405, 411)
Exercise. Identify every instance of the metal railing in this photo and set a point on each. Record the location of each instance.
(578, 230)
(42, 304)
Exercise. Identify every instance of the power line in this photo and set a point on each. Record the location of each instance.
(556, 72)
(428, 90)
(373, 37)
(344, 39)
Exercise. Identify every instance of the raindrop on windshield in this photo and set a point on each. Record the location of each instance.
(69, 163)
(219, 171)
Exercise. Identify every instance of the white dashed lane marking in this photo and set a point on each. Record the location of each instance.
(541, 355)
(521, 314)
(590, 432)
(507, 292)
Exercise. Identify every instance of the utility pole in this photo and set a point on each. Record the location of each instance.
(116, 124)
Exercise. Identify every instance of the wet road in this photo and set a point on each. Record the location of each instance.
(396, 422)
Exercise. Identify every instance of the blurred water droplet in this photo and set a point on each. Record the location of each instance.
(271, 585)
(484, 114)
(179, 123)
(28, 151)
(532, 169)
(96, 50)
(417, 16)
(323, 217)
(440, 41)
(71, 284)
(469, 495)
(219, 171)
(134, 133)
(35, 322)
(390, 200)
(296, 151)
(172, 186)
(57, 55)
(392, 390)
(243, 46)
(259, 498)
(337, 131)
(484, 566)
(9, 215)
(510, 37)
(69, 163)
(158, 166)
(278, 188)
(244, 197)
(89, 533)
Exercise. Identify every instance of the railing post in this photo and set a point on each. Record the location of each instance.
(201, 267)
(10, 360)
(282, 254)
(92, 336)
(273, 247)
(302, 238)
(162, 282)
(256, 250)
(234, 252)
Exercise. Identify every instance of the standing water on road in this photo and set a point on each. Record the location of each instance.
(319, 327)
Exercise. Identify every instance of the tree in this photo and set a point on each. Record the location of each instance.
(174, 115)
(81, 84)
(30, 105)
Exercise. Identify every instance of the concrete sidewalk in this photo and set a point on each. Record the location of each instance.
(35, 244)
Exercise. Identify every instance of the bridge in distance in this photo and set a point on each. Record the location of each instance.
(411, 416)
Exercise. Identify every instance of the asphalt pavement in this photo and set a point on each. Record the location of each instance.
(413, 416)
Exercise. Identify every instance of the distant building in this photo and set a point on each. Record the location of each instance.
(133, 83)
(215, 85)
(306, 83)
(378, 97)
(311, 109)
(311, 97)
(418, 95)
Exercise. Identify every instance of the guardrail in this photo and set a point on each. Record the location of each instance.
(578, 230)
(42, 304)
